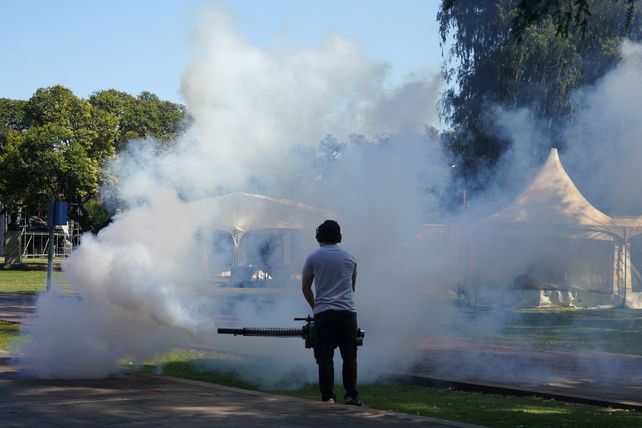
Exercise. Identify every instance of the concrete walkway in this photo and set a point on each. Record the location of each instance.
(152, 401)
(16, 307)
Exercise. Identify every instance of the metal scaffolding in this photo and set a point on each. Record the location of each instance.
(36, 244)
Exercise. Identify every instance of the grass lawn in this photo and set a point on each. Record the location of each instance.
(30, 278)
(8, 331)
(485, 409)
(608, 330)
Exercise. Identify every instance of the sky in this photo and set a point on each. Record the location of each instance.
(145, 45)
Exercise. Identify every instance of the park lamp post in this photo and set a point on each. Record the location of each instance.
(56, 216)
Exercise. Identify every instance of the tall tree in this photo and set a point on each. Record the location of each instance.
(569, 16)
(142, 116)
(11, 117)
(499, 58)
(55, 145)
(57, 154)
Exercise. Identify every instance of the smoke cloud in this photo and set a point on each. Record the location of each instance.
(316, 125)
(601, 151)
(604, 142)
(601, 154)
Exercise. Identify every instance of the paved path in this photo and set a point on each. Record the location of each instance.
(153, 401)
(15, 307)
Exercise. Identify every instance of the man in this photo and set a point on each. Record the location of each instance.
(334, 273)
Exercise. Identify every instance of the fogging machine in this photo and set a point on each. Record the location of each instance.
(308, 332)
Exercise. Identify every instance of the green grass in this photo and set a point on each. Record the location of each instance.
(181, 363)
(29, 278)
(22, 282)
(8, 332)
(607, 330)
(485, 409)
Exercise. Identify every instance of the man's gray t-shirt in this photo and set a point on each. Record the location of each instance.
(332, 268)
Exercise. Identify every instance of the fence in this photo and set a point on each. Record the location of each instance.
(36, 244)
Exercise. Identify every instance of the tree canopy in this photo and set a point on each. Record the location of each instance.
(55, 145)
(569, 16)
(513, 54)
(142, 116)
(11, 117)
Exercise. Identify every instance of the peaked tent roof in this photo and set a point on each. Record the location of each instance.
(247, 211)
(553, 199)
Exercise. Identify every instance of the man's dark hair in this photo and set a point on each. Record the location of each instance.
(329, 231)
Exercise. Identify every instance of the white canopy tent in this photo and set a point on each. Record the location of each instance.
(555, 248)
(241, 212)
(551, 203)
(256, 237)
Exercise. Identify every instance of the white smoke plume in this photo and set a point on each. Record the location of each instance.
(315, 125)
(601, 149)
(601, 154)
(604, 150)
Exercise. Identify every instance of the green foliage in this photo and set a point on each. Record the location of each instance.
(500, 57)
(55, 146)
(97, 212)
(142, 116)
(58, 154)
(570, 17)
(11, 117)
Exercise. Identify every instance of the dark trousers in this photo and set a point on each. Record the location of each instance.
(336, 328)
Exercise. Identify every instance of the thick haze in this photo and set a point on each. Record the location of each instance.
(315, 125)
(604, 150)
(602, 156)
(601, 151)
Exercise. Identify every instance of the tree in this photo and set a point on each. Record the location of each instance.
(570, 17)
(490, 64)
(55, 145)
(58, 154)
(142, 116)
(11, 117)
(46, 162)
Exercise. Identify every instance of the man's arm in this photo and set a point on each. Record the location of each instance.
(354, 278)
(306, 286)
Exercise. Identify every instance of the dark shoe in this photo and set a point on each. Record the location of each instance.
(353, 401)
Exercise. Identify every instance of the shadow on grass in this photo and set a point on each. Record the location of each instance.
(30, 267)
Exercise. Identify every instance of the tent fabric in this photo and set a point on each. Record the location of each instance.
(551, 208)
(628, 227)
(241, 212)
(550, 211)
(553, 201)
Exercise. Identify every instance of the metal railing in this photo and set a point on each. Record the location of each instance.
(36, 244)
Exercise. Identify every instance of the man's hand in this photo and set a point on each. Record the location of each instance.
(306, 287)
(354, 278)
